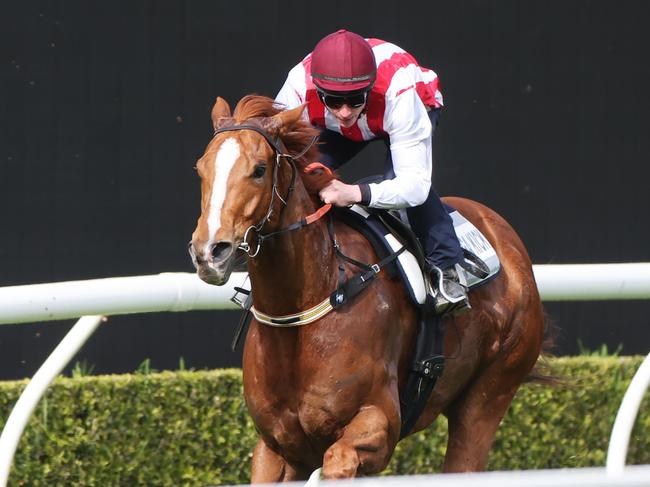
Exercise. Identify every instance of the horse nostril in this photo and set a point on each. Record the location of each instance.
(221, 251)
(196, 259)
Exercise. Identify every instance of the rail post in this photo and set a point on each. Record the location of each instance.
(28, 400)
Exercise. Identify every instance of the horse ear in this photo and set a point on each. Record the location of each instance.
(284, 121)
(220, 110)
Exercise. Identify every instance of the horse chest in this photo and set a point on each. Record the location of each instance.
(303, 390)
(303, 419)
(299, 431)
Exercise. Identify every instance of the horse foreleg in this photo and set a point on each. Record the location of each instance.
(362, 449)
(268, 466)
(475, 417)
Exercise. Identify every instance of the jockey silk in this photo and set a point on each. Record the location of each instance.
(396, 110)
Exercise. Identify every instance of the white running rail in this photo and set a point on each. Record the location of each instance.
(184, 292)
(170, 291)
(634, 476)
(592, 282)
(111, 296)
(627, 413)
(28, 400)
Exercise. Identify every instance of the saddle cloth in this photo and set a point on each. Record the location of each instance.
(407, 266)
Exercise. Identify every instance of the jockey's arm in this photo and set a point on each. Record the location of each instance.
(410, 186)
(412, 182)
(409, 128)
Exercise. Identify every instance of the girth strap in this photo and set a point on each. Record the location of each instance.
(426, 368)
(361, 280)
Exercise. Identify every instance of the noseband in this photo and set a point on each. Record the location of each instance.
(277, 146)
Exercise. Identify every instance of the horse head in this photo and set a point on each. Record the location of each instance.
(240, 177)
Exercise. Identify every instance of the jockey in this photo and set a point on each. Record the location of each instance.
(357, 90)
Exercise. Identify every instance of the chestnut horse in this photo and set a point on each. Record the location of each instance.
(327, 393)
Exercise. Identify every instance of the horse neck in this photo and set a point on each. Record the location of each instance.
(297, 269)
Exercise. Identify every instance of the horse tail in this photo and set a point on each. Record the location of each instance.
(543, 372)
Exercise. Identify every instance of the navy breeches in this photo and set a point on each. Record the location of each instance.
(430, 221)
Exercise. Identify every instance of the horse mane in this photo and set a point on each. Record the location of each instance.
(296, 140)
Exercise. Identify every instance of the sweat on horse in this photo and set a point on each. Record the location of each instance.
(328, 393)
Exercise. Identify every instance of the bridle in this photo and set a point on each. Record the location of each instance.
(280, 153)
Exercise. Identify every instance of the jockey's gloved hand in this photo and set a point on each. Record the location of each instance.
(340, 194)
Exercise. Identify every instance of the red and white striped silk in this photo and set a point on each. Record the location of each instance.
(396, 110)
(397, 73)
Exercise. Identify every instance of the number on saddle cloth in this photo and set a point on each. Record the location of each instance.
(480, 262)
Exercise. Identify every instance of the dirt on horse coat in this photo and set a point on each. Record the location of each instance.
(327, 393)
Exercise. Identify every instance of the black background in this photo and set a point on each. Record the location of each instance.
(104, 109)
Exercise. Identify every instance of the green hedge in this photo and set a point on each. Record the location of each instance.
(191, 428)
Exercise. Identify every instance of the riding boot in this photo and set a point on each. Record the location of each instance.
(450, 294)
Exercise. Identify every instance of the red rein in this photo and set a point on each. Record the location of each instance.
(313, 167)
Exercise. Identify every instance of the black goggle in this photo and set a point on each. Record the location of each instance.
(354, 100)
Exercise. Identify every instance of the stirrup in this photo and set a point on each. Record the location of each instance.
(450, 295)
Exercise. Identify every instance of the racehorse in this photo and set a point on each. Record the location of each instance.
(327, 393)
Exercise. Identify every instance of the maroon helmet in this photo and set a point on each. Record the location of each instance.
(343, 62)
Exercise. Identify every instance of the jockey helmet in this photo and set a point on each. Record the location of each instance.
(343, 62)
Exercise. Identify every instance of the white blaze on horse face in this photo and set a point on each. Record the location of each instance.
(226, 157)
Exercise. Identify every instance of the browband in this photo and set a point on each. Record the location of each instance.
(275, 143)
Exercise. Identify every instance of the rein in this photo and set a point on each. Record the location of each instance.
(309, 219)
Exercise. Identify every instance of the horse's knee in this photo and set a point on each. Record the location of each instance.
(364, 448)
(340, 461)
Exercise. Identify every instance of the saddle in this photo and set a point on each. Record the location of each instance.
(387, 232)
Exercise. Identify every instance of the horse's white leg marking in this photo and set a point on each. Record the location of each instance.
(226, 157)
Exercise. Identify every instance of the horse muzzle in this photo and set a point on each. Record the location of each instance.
(213, 263)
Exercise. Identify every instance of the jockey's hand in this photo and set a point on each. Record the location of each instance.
(340, 194)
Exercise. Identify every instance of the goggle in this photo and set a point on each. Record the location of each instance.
(353, 100)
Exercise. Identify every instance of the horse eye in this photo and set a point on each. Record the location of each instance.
(259, 171)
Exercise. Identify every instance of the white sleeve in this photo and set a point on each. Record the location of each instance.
(292, 93)
(408, 126)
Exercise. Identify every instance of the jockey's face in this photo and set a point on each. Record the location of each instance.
(345, 106)
(346, 115)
